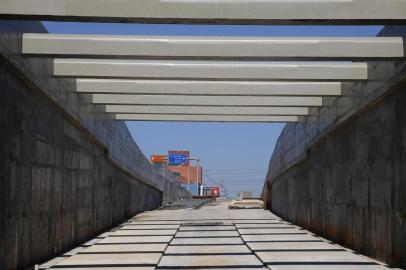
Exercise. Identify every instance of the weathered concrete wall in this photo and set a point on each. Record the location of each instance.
(341, 173)
(113, 135)
(67, 172)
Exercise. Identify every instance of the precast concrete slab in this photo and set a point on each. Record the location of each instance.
(106, 268)
(74, 251)
(210, 88)
(215, 70)
(239, 222)
(127, 248)
(123, 232)
(91, 260)
(206, 118)
(215, 11)
(206, 228)
(218, 268)
(210, 261)
(281, 237)
(230, 249)
(206, 110)
(210, 249)
(186, 234)
(92, 242)
(136, 239)
(311, 257)
(149, 227)
(272, 231)
(153, 222)
(207, 223)
(238, 214)
(206, 100)
(103, 46)
(207, 241)
(328, 267)
(279, 225)
(104, 235)
(291, 246)
(51, 263)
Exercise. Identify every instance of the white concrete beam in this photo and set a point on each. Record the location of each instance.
(206, 100)
(239, 70)
(205, 118)
(188, 87)
(213, 11)
(212, 47)
(206, 110)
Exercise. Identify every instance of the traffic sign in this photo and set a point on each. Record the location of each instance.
(158, 159)
(175, 159)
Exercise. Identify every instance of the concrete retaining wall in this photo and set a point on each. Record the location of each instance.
(341, 172)
(67, 172)
(112, 135)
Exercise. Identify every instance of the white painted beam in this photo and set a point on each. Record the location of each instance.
(212, 47)
(206, 110)
(164, 69)
(205, 118)
(213, 11)
(188, 87)
(206, 100)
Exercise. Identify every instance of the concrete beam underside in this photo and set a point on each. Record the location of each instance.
(206, 118)
(215, 70)
(218, 88)
(212, 47)
(206, 110)
(206, 100)
(216, 11)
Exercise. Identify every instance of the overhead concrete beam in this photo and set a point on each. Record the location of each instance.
(206, 100)
(206, 110)
(217, 70)
(188, 87)
(205, 118)
(214, 11)
(212, 47)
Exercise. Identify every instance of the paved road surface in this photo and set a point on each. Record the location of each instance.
(211, 237)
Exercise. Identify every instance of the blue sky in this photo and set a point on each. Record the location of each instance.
(236, 154)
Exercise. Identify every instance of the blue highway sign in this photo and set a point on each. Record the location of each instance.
(177, 159)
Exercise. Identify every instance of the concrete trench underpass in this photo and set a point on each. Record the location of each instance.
(209, 237)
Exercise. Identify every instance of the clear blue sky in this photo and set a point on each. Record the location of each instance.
(236, 154)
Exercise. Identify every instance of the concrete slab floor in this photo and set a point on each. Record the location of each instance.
(232, 249)
(141, 259)
(212, 237)
(210, 261)
(184, 234)
(120, 248)
(143, 232)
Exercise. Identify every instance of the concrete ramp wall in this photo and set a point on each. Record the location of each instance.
(67, 172)
(341, 173)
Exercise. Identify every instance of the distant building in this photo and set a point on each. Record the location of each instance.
(188, 174)
(244, 195)
(191, 177)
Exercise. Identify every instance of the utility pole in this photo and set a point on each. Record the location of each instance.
(197, 175)
(188, 178)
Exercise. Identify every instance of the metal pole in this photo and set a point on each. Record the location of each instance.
(197, 176)
(188, 179)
